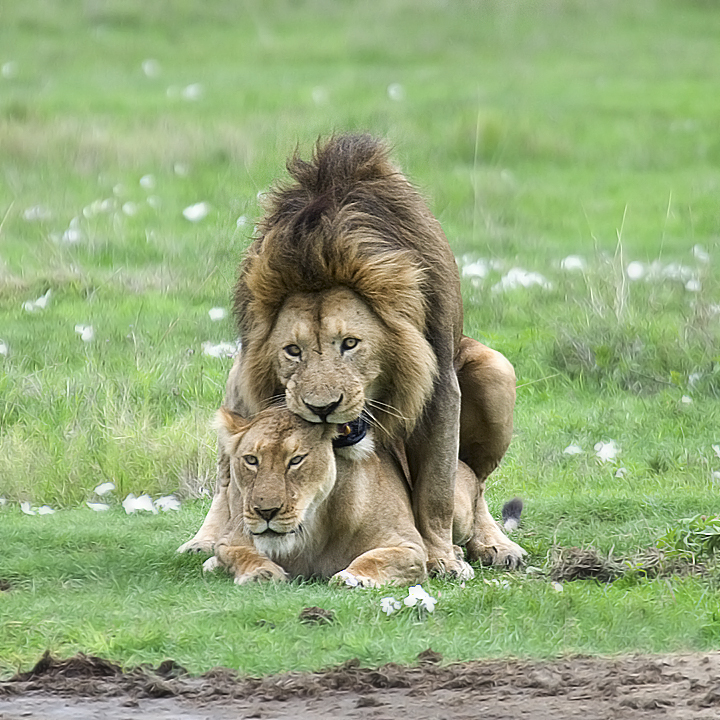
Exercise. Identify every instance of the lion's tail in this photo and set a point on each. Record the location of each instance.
(511, 512)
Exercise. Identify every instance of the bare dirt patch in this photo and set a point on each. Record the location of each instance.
(82, 687)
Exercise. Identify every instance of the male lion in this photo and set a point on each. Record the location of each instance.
(305, 503)
(348, 304)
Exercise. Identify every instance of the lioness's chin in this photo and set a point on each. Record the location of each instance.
(277, 545)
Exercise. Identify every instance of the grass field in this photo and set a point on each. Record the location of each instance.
(539, 132)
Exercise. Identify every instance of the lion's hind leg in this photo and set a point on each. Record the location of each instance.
(402, 564)
(488, 543)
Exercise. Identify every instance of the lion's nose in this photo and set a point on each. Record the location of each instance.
(267, 514)
(324, 410)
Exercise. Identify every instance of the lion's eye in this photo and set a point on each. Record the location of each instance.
(294, 461)
(250, 459)
(292, 350)
(349, 343)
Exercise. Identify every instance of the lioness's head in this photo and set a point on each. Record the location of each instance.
(284, 469)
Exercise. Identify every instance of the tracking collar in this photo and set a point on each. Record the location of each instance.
(350, 433)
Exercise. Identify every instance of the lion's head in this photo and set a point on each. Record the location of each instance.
(284, 469)
(334, 298)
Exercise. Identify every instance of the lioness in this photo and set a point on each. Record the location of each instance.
(348, 304)
(307, 502)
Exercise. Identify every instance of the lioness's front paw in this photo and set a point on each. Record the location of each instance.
(453, 568)
(197, 546)
(347, 579)
(264, 573)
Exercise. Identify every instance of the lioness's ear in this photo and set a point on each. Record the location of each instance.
(230, 427)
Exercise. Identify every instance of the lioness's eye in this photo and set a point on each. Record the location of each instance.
(292, 350)
(349, 343)
(250, 459)
(296, 460)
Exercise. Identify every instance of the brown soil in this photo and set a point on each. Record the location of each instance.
(81, 688)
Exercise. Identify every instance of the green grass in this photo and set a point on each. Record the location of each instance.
(536, 130)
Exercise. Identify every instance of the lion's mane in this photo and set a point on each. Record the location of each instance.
(348, 218)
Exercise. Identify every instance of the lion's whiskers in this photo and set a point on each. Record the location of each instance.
(389, 409)
(374, 421)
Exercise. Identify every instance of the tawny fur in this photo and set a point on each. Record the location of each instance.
(344, 515)
(349, 220)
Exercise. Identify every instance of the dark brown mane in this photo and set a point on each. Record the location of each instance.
(347, 218)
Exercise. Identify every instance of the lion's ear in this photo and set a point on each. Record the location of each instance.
(230, 427)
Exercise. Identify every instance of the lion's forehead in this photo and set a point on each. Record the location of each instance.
(324, 316)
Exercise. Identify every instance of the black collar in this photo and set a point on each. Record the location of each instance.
(350, 433)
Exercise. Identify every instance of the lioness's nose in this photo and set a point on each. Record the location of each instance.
(324, 410)
(267, 513)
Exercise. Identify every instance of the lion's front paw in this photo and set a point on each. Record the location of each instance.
(197, 545)
(211, 564)
(500, 551)
(453, 568)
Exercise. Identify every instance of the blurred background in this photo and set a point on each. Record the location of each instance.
(569, 148)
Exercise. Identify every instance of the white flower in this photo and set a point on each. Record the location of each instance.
(573, 262)
(37, 212)
(167, 502)
(39, 304)
(26, 508)
(133, 504)
(635, 270)
(418, 596)
(9, 69)
(223, 349)
(196, 212)
(130, 209)
(389, 605)
(242, 221)
(98, 507)
(716, 448)
(217, 313)
(620, 472)
(104, 488)
(151, 68)
(85, 332)
(192, 92)
(606, 451)
(477, 269)
(396, 92)
(4, 349)
(693, 285)
(504, 584)
(573, 450)
(686, 400)
(517, 277)
(147, 182)
(700, 253)
(716, 476)
(320, 95)
(557, 587)
(45, 510)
